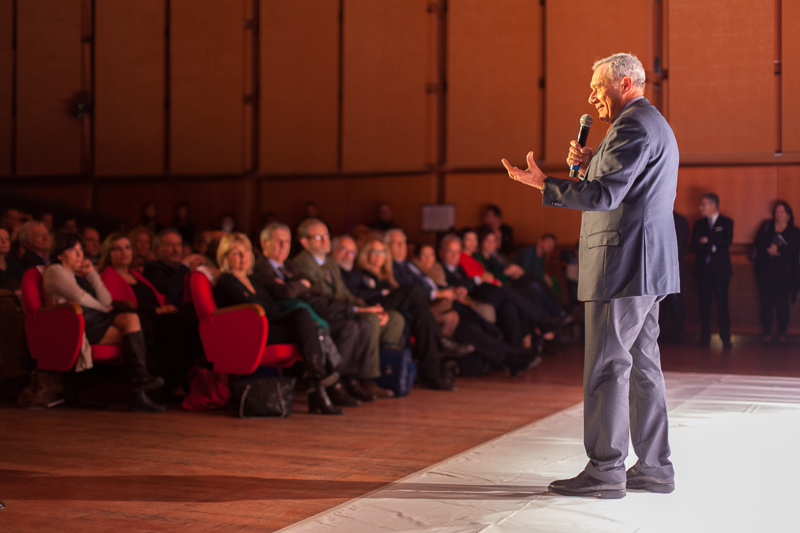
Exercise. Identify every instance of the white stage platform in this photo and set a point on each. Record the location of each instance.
(733, 440)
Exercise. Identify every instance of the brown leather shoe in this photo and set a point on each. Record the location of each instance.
(340, 398)
(372, 388)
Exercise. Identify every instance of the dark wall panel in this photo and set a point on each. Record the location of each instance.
(388, 53)
(299, 75)
(48, 78)
(206, 86)
(494, 99)
(721, 78)
(6, 80)
(129, 87)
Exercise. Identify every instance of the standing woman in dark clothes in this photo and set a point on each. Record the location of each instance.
(235, 286)
(777, 268)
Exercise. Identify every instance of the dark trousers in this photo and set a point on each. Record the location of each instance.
(516, 315)
(486, 337)
(672, 307)
(352, 337)
(710, 284)
(623, 389)
(297, 327)
(413, 304)
(176, 346)
(774, 294)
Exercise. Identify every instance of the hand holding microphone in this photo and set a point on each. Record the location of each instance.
(579, 157)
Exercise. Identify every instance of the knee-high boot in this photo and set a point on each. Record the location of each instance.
(134, 358)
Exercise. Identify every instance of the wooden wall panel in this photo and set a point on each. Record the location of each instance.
(494, 106)
(388, 49)
(73, 194)
(346, 202)
(521, 205)
(206, 86)
(287, 199)
(746, 194)
(209, 200)
(578, 33)
(48, 78)
(789, 188)
(790, 73)
(129, 85)
(299, 74)
(721, 78)
(6, 89)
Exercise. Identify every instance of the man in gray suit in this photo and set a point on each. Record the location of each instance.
(628, 263)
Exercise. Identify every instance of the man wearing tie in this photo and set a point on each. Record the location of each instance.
(711, 237)
(628, 263)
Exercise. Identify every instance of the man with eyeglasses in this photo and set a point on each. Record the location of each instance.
(326, 278)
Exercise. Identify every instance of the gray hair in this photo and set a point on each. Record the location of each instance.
(336, 241)
(163, 233)
(302, 229)
(447, 239)
(391, 231)
(24, 235)
(621, 65)
(266, 233)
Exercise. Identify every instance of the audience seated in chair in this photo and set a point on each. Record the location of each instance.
(92, 245)
(171, 336)
(294, 325)
(325, 275)
(350, 331)
(73, 279)
(34, 241)
(142, 242)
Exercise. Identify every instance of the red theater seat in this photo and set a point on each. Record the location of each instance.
(234, 338)
(55, 333)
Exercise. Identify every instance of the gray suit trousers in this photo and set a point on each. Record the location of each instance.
(623, 389)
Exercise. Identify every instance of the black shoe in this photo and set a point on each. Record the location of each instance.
(585, 485)
(141, 402)
(524, 360)
(319, 402)
(339, 396)
(454, 350)
(640, 481)
(355, 390)
(726, 343)
(148, 383)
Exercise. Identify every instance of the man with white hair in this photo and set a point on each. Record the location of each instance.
(35, 240)
(628, 264)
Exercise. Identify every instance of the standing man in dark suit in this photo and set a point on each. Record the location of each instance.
(628, 263)
(711, 237)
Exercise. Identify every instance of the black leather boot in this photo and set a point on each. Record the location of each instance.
(318, 402)
(339, 396)
(134, 357)
(141, 402)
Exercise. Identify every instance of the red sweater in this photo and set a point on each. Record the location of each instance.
(121, 289)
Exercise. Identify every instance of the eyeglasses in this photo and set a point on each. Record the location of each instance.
(318, 238)
(378, 252)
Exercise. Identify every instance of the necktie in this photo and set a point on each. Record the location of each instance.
(327, 273)
(282, 273)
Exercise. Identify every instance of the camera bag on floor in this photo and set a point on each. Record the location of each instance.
(263, 394)
(398, 371)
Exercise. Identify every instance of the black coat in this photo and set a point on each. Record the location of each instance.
(713, 256)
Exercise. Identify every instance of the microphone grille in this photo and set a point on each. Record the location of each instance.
(586, 120)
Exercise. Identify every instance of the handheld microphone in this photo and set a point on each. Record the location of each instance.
(583, 136)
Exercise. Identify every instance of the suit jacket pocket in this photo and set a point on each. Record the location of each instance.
(603, 238)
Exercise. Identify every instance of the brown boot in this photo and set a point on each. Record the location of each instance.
(372, 388)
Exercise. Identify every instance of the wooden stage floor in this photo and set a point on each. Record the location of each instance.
(70, 469)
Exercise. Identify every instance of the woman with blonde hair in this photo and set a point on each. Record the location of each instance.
(237, 286)
(142, 246)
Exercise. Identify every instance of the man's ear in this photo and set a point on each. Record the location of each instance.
(304, 242)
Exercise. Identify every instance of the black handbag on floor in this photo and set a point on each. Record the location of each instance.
(263, 397)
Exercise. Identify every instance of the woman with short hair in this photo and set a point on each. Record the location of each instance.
(236, 286)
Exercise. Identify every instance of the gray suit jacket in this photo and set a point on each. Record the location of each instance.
(627, 243)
